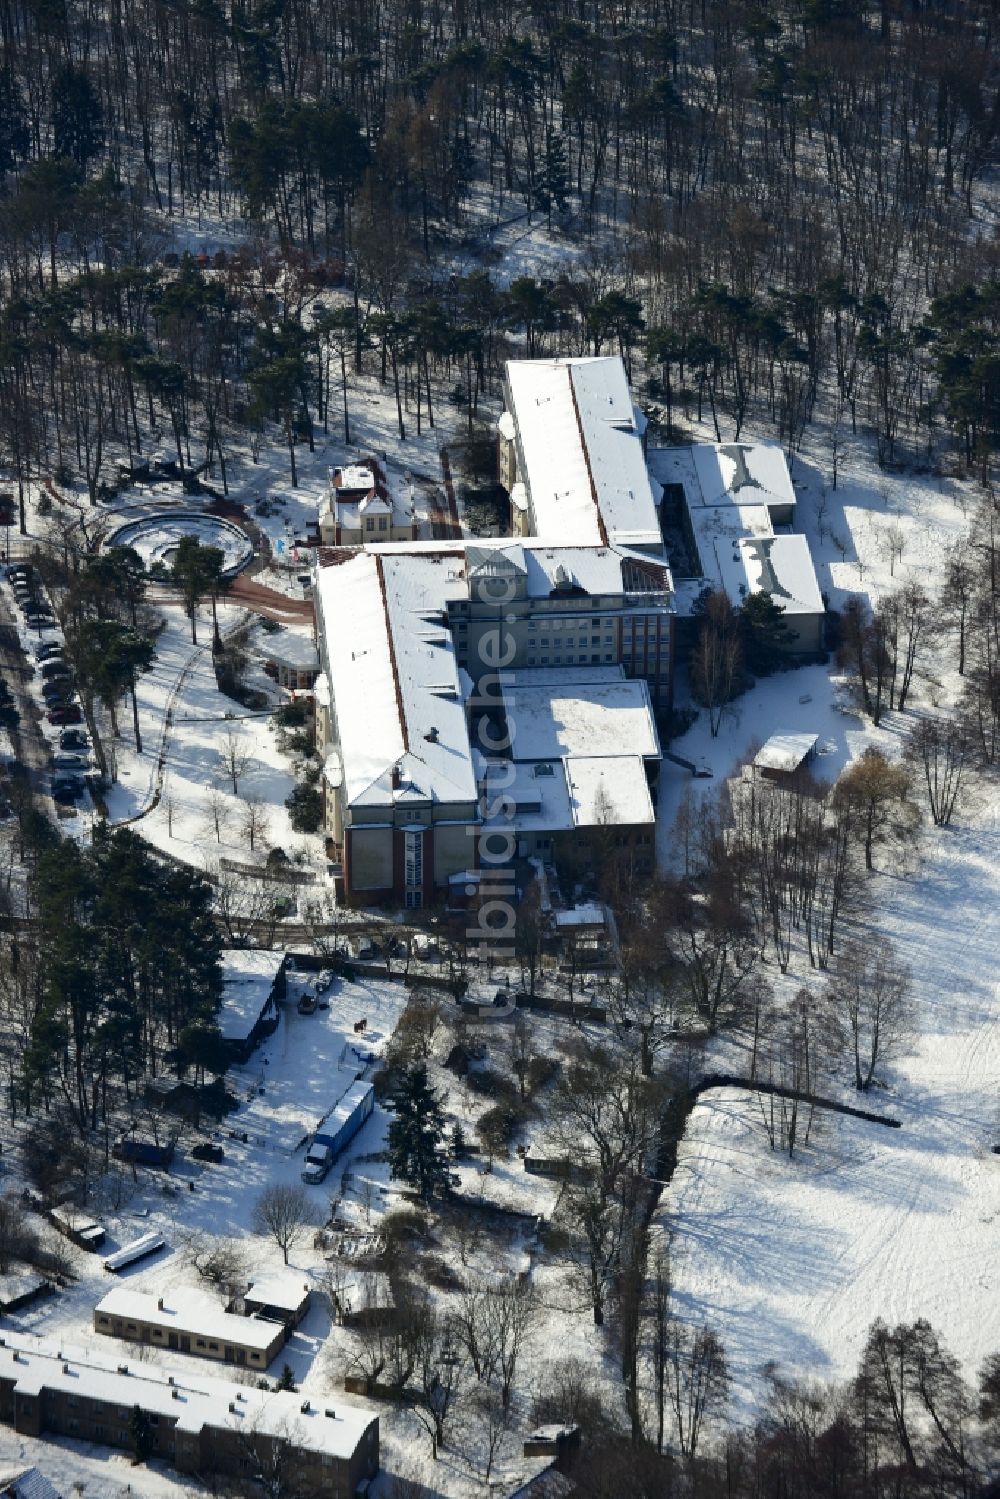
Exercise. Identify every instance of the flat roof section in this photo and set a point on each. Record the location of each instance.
(591, 718)
(609, 791)
(785, 752)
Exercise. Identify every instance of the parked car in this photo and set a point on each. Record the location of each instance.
(67, 790)
(323, 981)
(367, 949)
(73, 739)
(69, 762)
(54, 666)
(59, 691)
(20, 570)
(65, 713)
(307, 1004)
(206, 1152)
(46, 650)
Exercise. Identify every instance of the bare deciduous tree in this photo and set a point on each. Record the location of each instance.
(697, 1383)
(870, 993)
(939, 750)
(283, 1212)
(234, 758)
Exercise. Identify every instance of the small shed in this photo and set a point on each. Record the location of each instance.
(20, 1288)
(26, 1483)
(79, 1228)
(275, 1298)
(785, 755)
(253, 981)
(367, 1301)
(291, 659)
(186, 1099)
(588, 918)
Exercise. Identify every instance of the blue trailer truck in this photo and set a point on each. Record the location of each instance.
(339, 1128)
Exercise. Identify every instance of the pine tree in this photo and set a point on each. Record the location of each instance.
(140, 1434)
(416, 1135)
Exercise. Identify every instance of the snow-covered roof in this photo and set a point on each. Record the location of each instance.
(292, 648)
(393, 676)
(729, 505)
(247, 979)
(285, 1291)
(353, 477)
(191, 1311)
(785, 751)
(194, 1401)
(608, 790)
(781, 566)
(579, 715)
(26, 1483)
(18, 1283)
(584, 465)
(588, 914)
(551, 796)
(743, 473)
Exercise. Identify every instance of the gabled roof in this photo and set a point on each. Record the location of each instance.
(393, 677)
(584, 464)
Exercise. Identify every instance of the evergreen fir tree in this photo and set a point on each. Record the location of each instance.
(416, 1135)
(140, 1434)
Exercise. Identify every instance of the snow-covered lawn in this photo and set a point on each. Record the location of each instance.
(792, 1260)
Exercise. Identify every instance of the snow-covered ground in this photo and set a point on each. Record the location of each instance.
(791, 1261)
(195, 777)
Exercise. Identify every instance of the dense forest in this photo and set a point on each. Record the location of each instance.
(770, 206)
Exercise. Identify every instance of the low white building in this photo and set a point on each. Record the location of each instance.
(189, 1321)
(735, 505)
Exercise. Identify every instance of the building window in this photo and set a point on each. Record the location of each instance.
(413, 861)
(414, 900)
(383, 523)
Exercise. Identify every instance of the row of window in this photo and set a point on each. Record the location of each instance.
(570, 660)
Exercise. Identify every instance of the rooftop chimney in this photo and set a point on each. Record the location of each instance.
(397, 778)
(432, 735)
